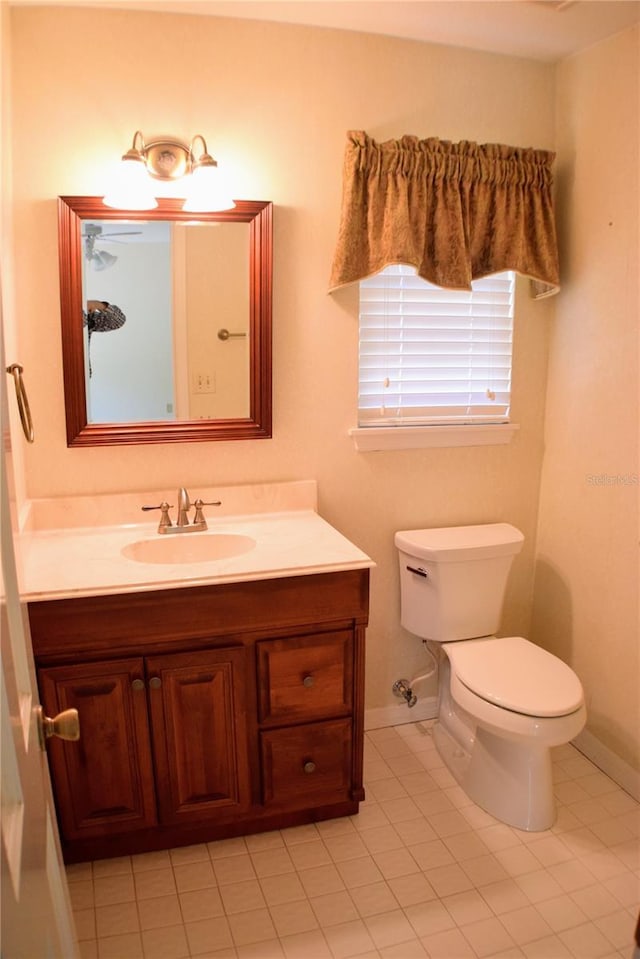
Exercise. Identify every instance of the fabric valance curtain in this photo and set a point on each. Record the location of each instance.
(454, 211)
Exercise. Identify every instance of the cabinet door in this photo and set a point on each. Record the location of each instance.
(198, 709)
(103, 782)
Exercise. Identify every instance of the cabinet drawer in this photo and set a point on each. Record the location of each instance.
(307, 765)
(305, 678)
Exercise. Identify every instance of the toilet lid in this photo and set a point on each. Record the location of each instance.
(515, 674)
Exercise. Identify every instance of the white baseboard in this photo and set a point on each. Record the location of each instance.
(605, 759)
(398, 715)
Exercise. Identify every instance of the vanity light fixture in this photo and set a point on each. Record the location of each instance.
(168, 160)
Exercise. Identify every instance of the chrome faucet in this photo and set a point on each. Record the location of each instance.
(182, 523)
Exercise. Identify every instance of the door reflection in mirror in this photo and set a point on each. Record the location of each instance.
(211, 290)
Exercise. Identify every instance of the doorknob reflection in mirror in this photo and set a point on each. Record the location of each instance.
(65, 725)
(166, 159)
(224, 334)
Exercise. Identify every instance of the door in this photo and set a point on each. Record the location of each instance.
(36, 916)
(198, 710)
(103, 783)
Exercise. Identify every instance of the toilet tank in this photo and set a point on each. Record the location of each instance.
(453, 579)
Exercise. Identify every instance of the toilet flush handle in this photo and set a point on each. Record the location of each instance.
(418, 571)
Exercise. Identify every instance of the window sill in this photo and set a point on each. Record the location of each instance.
(368, 439)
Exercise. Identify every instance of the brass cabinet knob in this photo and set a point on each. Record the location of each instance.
(308, 681)
(137, 685)
(155, 682)
(66, 725)
(309, 766)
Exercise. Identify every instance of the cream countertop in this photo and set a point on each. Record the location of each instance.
(63, 563)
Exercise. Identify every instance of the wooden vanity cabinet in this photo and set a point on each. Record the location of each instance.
(205, 712)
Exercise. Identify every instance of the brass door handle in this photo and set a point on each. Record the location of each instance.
(66, 725)
(309, 766)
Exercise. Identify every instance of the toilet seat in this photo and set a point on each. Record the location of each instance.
(515, 674)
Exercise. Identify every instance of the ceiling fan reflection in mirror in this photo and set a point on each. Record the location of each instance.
(102, 259)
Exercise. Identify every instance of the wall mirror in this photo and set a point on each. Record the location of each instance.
(192, 360)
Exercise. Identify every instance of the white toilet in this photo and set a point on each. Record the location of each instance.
(502, 703)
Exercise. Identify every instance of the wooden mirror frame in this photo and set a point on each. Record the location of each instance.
(72, 210)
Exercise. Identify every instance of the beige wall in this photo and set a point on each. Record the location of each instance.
(274, 103)
(14, 445)
(586, 585)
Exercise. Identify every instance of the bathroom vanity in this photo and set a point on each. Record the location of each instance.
(214, 699)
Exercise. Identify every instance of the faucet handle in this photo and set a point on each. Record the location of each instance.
(165, 519)
(199, 503)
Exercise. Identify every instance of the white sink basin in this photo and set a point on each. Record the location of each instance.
(188, 548)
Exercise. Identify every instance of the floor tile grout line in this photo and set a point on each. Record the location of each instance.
(325, 834)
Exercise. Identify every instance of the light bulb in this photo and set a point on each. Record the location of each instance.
(131, 189)
(205, 191)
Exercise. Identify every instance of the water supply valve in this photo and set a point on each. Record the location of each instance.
(402, 689)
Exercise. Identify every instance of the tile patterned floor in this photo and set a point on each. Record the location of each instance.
(420, 872)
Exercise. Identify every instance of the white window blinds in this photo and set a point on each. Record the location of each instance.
(434, 356)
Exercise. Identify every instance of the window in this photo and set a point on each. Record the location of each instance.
(431, 356)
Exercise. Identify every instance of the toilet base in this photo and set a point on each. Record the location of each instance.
(511, 782)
